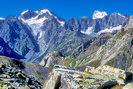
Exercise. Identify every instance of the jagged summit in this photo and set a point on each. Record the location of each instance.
(35, 17)
(38, 17)
(41, 11)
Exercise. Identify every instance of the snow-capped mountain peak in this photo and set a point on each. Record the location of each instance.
(99, 15)
(33, 20)
(28, 14)
(36, 20)
(38, 17)
(35, 17)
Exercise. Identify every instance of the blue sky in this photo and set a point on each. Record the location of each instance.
(66, 8)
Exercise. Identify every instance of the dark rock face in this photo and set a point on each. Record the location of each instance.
(18, 37)
(5, 50)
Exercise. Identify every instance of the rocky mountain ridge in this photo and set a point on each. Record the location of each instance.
(35, 34)
(116, 51)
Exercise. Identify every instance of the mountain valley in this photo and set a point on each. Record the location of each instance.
(39, 50)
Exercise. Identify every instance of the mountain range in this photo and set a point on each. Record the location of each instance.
(35, 34)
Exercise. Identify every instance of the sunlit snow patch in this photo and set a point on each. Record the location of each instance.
(111, 29)
(89, 31)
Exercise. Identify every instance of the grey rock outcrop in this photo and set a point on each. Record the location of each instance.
(97, 78)
(52, 59)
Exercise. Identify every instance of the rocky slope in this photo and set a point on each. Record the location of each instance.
(118, 50)
(93, 45)
(19, 75)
